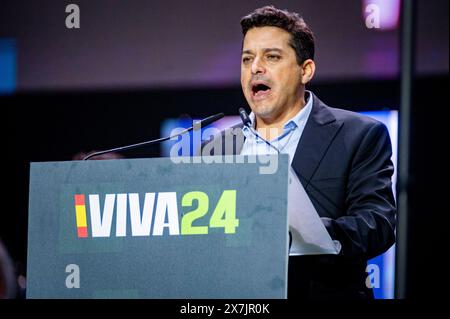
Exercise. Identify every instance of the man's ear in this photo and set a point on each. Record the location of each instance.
(308, 68)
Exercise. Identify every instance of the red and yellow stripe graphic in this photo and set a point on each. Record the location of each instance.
(80, 211)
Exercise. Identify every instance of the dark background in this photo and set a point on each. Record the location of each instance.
(133, 64)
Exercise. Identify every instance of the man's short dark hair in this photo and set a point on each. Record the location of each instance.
(302, 38)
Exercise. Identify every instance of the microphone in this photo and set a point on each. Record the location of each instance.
(202, 123)
(244, 117)
(248, 123)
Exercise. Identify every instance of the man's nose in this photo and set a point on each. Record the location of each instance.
(257, 66)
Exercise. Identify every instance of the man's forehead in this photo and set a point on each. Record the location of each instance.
(263, 38)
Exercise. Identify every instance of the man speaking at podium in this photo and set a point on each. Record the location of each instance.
(341, 158)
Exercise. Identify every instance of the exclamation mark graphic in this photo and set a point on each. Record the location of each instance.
(80, 210)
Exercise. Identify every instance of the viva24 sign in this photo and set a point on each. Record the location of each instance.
(159, 212)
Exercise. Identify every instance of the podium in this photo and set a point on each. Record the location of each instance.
(152, 228)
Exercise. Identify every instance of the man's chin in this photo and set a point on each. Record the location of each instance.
(265, 112)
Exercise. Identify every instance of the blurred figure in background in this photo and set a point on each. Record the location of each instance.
(8, 280)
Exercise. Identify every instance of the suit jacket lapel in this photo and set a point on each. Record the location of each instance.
(319, 132)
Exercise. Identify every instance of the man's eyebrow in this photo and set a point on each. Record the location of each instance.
(272, 49)
(265, 50)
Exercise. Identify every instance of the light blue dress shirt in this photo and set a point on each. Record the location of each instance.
(286, 142)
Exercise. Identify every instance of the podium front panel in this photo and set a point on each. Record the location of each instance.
(152, 228)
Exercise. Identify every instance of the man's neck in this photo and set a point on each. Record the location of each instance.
(270, 128)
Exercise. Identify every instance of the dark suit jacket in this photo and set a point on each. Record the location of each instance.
(343, 161)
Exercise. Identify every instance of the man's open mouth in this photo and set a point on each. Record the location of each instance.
(260, 89)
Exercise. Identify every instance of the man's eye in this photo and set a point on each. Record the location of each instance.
(246, 59)
(273, 57)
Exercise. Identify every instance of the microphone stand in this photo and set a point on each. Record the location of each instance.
(202, 123)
